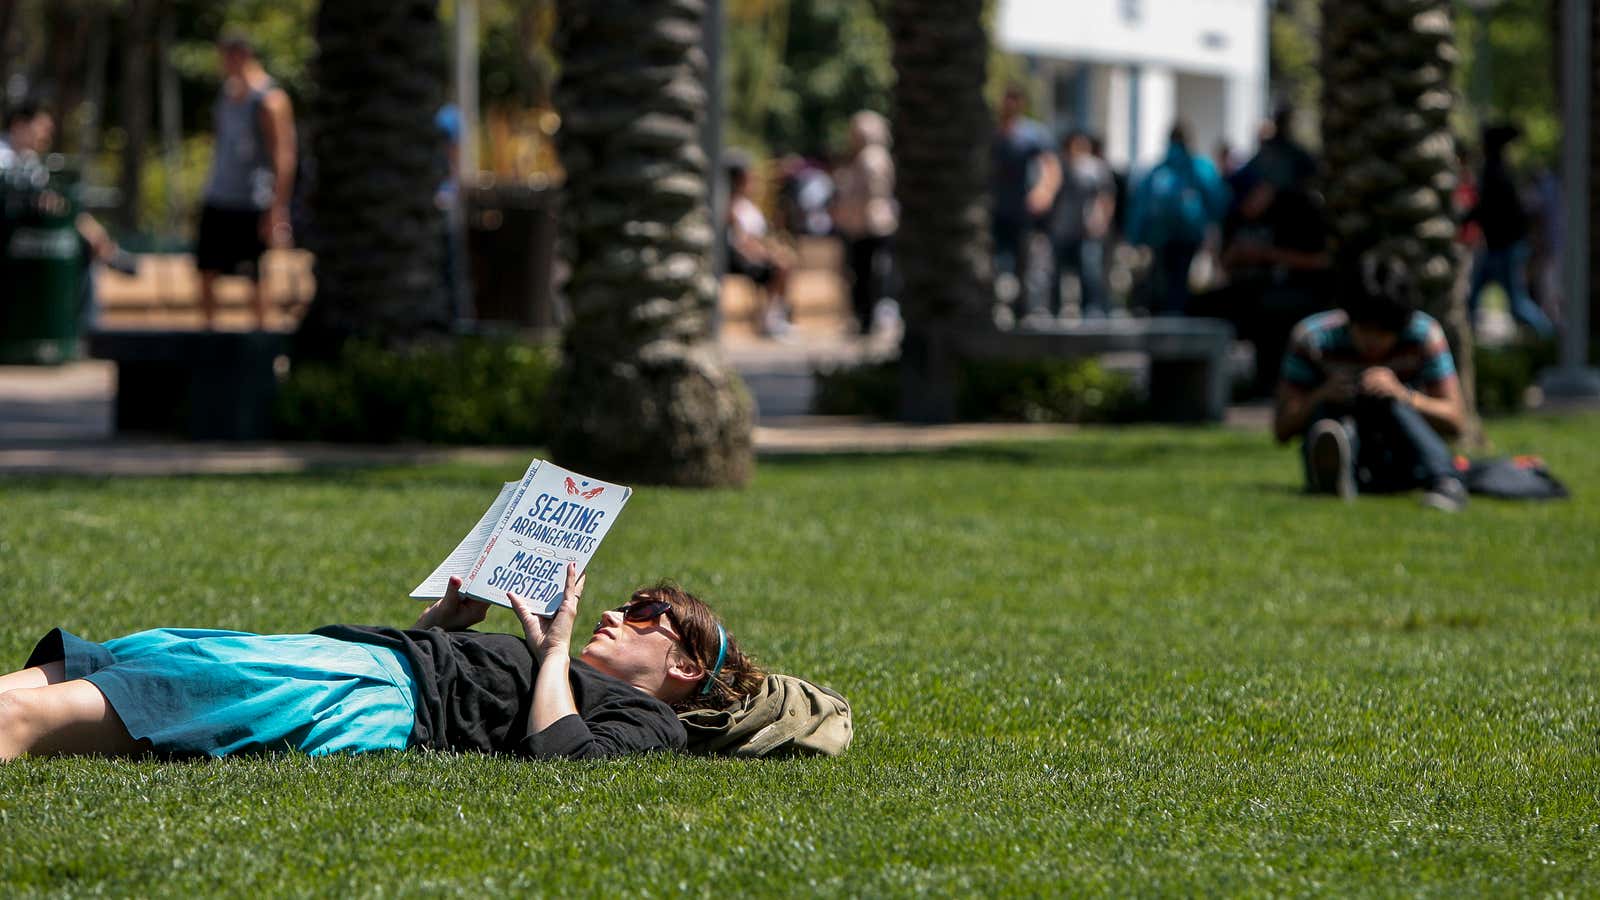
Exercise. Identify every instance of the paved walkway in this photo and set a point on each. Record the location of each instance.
(59, 420)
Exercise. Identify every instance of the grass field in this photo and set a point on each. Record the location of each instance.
(1125, 662)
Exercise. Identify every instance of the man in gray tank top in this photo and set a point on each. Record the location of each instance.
(246, 204)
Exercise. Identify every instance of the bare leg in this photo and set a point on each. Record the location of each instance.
(72, 717)
(780, 278)
(208, 300)
(36, 676)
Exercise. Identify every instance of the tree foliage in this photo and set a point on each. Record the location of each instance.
(1508, 57)
(797, 69)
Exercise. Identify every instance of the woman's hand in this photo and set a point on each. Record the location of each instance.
(552, 636)
(453, 612)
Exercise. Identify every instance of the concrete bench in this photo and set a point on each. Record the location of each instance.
(1189, 380)
(203, 385)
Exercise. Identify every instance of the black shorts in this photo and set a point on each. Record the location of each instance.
(759, 272)
(229, 242)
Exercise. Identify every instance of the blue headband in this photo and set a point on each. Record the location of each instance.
(722, 653)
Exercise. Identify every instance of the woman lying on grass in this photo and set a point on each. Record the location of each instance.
(349, 688)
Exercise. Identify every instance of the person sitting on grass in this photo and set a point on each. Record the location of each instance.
(1372, 389)
(347, 688)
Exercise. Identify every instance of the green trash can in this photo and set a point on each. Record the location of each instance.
(42, 266)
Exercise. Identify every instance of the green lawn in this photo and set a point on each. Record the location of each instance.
(1125, 662)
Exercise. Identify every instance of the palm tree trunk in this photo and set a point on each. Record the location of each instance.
(377, 231)
(941, 148)
(644, 393)
(135, 107)
(1391, 157)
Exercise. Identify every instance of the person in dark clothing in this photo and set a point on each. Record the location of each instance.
(1281, 161)
(245, 208)
(1372, 389)
(1023, 177)
(1276, 261)
(1504, 221)
(348, 688)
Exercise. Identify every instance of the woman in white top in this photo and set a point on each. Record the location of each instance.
(752, 255)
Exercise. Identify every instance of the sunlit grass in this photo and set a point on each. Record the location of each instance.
(1125, 662)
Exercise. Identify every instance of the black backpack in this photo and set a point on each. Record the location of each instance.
(1510, 478)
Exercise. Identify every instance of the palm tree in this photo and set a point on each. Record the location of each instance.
(136, 47)
(1391, 157)
(378, 76)
(941, 149)
(1594, 168)
(644, 393)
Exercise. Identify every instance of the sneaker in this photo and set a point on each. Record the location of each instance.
(1446, 495)
(1331, 469)
(776, 325)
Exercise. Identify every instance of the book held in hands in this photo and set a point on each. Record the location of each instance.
(525, 539)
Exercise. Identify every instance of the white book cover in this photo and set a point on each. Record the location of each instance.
(526, 537)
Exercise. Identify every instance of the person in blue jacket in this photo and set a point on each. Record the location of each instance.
(1173, 207)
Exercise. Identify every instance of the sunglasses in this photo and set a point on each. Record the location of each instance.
(646, 612)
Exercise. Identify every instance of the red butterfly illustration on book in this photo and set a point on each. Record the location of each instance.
(590, 494)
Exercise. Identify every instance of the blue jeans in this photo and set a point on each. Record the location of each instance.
(1012, 243)
(1085, 259)
(1392, 447)
(1507, 267)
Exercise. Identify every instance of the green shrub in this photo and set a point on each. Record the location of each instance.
(461, 391)
(1504, 374)
(1040, 390)
(1043, 390)
(870, 389)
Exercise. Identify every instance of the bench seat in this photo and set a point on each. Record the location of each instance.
(1189, 380)
(203, 385)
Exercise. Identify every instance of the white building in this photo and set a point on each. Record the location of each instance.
(1128, 69)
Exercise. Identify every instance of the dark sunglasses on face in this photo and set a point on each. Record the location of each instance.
(646, 612)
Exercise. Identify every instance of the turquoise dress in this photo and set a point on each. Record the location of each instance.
(192, 692)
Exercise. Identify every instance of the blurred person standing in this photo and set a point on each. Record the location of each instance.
(246, 203)
(1281, 161)
(17, 141)
(30, 132)
(1463, 200)
(1276, 263)
(1079, 221)
(1547, 237)
(453, 255)
(865, 213)
(805, 193)
(1023, 177)
(1172, 209)
(1504, 220)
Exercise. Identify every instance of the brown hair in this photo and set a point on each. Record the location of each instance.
(697, 625)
